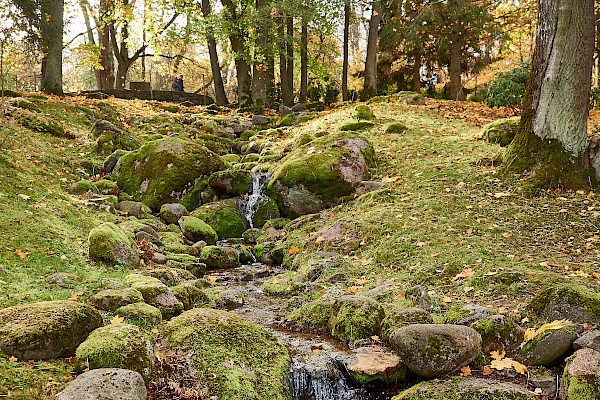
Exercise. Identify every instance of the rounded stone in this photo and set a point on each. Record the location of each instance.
(106, 384)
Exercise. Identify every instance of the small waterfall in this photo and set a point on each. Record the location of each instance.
(249, 207)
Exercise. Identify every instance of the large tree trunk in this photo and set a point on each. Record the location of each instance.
(416, 81)
(345, 51)
(290, 59)
(51, 32)
(107, 76)
(220, 97)
(283, 75)
(454, 71)
(303, 63)
(370, 86)
(260, 74)
(552, 142)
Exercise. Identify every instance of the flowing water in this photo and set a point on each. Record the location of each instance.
(249, 208)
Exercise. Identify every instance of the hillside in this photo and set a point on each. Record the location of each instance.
(442, 218)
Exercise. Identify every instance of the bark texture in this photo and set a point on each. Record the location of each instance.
(303, 63)
(220, 96)
(370, 87)
(51, 32)
(346, 56)
(552, 143)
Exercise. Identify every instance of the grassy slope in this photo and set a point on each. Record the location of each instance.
(443, 210)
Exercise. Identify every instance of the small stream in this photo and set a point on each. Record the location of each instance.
(316, 372)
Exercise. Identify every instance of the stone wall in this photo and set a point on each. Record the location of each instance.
(161, 95)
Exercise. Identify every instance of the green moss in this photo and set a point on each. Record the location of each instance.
(231, 158)
(501, 131)
(106, 186)
(397, 317)
(82, 187)
(231, 182)
(356, 126)
(354, 318)
(303, 139)
(247, 134)
(286, 121)
(219, 257)
(191, 296)
(45, 330)
(172, 108)
(576, 296)
(280, 285)
(311, 317)
(111, 141)
(117, 346)
(170, 276)
(148, 286)
(363, 112)
(455, 314)
(110, 243)
(112, 299)
(396, 127)
(40, 123)
(234, 358)
(223, 216)
(303, 119)
(196, 229)
(498, 334)
(399, 375)
(140, 314)
(265, 211)
(27, 105)
(165, 171)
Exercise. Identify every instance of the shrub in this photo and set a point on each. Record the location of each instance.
(508, 87)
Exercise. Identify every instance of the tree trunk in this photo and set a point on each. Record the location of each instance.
(283, 75)
(236, 38)
(271, 95)
(220, 97)
(454, 71)
(259, 68)
(416, 85)
(290, 59)
(370, 86)
(107, 77)
(303, 63)
(51, 32)
(346, 55)
(552, 143)
(85, 11)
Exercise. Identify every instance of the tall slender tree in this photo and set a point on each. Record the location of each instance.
(370, 86)
(220, 96)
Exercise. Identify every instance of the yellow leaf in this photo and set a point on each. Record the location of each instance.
(496, 355)
(212, 278)
(354, 289)
(582, 274)
(501, 194)
(21, 254)
(293, 250)
(596, 275)
(116, 320)
(361, 281)
(320, 239)
(487, 370)
(375, 338)
(466, 371)
(520, 368)
(506, 235)
(466, 273)
(24, 196)
(530, 333)
(421, 244)
(74, 297)
(556, 324)
(12, 359)
(447, 299)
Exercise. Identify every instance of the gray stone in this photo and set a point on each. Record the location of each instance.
(466, 388)
(170, 213)
(374, 363)
(260, 120)
(285, 110)
(582, 375)
(168, 304)
(299, 107)
(134, 208)
(159, 258)
(111, 299)
(420, 297)
(433, 350)
(61, 279)
(548, 384)
(398, 317)
(552, 347)
(476, 313)
(232, 298)
(368, 186)
(106, 384)
(589, 340)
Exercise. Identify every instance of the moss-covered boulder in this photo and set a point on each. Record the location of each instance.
(45, 330)
(355, 317)
(109, 138)
(362, 112)
(433, 350)
(306, 181)
(233, 357)
(192, 296)
(286, 121)
(111, 299)
(582, 375)
(498, 333)
(397, 317)
(396, 127)
(167, 171)
(136, 209)
(170, 276)
(311, 317)
(82, 187)
(572, 302)
(410, 98)
(355, 126)
(140, 314)
(40, 123)
(466, 389)
(501, 131)
(195, 230)
(548, 347)
(220, 257)
(265, 209)
(223, 216)
(117, 346)
(156, 293)
(231, 182)
(108, 242)
(172, 212)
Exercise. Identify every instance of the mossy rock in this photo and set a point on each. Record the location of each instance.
(170, 276)
(356, 126)
(26, 104)
(140, 314)
(572, 302)
(234, 358)
(166, 171)
(466, 389)
(286, 121)
(51, 329)
(581, 377)
(280, 285)
(501, 131)
(82, 187)
(192, 296)
(397, 317)
(303, 139)
(180, 249)
(355, 317)
(171, 213)
(195, 229)
(306, 182)
(548, 347)
(117, 346)
(231, 182)
(220, 257)
(106, 186)
(363, 112)
(110, 243)
(498, 333)
(148, 286)
(396, 127)
(231, 158)
(266, 210)
(10, 93)
(247, 134)
(410, 97)
(39, 123)
(223, 216)
(277, 223)
(188, 263)
(110, 138)
(170, 108)
(311, 317)
(111, 299)
(303, 119)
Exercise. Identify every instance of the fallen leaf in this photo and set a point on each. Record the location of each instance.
(116, 320)
(497, 355)
(538, 391)
(520, 368)
(447, 299)
(320, 239)
(293, 250)
(506, 235)
(354, 289)
(21, 254)
(466, 371)
(12, 359)
(74, 297)
(212, 278)
(375, 338)
(366, 262)
(421, 244)
(582, 274)
(556, 324)
(487, 370)
(361, 281)
(63, 258)
(466, 273)
(470, 231)
(501, 194)
(24, 196)
(596, 275)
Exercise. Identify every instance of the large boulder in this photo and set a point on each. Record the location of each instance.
(223, 216)
(467, 389)
(582, 376)
(195, 230)
(220, 257)
(233, 357)
(108, 242)
(117, 346)
(231, 182)
(110, 138)
(111, 299)
(433, 350)
(549, 347)
(106, 384)
(52, 329)
(310, 179)
(167, 171)
(577, 304)
(355, 317)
